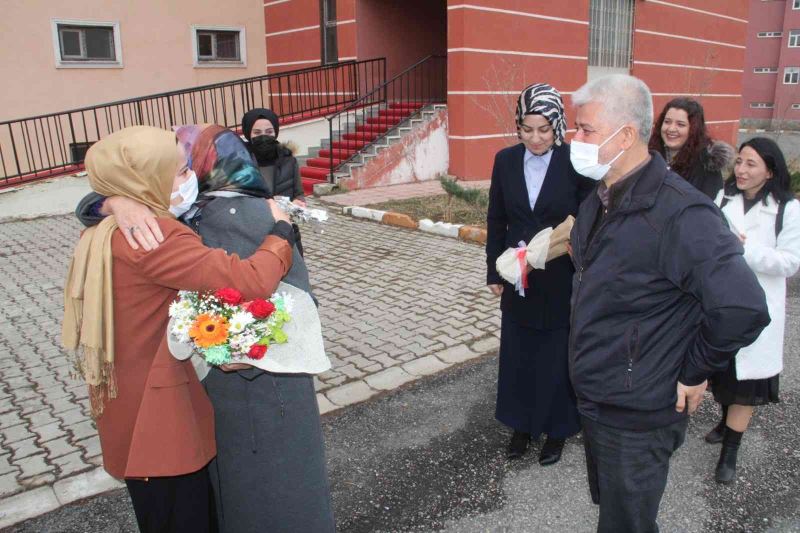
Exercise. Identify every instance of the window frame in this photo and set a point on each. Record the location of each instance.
(765, 70)
(78, 61)
(794, 39)
(329, 32)
(769, 34)
(795, 106)
(198, 62)
(607, 59)
(796, 4)
(762, 105)
(791, 73)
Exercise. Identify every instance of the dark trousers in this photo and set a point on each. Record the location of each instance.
(175, 504)
(627, 473)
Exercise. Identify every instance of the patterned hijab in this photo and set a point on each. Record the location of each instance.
(543, 99)
(221, 161)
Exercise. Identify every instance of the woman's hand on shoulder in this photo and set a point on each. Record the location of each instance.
(496, 288)
(136, 221)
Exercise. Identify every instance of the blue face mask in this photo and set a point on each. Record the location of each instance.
(187, 191)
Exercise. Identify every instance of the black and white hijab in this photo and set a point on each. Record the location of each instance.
(543, 99)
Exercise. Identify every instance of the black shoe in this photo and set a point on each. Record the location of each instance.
(518, 445)
(726, 467)
(551, 451)
(715, 435)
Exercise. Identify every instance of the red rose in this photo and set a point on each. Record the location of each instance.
(257, 351)
(261, 308)
(229, 296)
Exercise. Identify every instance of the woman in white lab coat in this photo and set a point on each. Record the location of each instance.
(761, 209)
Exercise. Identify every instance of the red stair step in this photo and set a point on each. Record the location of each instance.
(308, 185)
(322, 162)
(393, 113)
(361, 136)
(372, 128)
(382, 121)
(337, 153)
(348, 145)
(315, 173)
(405, 105)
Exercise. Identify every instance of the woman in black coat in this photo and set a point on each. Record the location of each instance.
(680, 136)
(276, 162)
(534, 187)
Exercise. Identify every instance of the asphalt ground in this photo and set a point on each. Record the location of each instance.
(429, 457)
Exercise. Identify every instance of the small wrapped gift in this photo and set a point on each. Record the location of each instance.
(546, 245)
(560, 238)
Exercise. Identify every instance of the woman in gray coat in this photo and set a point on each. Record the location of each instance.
(269, 474)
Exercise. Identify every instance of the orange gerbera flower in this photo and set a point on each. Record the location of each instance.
(209, 330)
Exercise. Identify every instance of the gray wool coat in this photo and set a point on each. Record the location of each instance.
(269, 474)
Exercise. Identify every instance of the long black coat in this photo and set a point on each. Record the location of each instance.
(510, 220)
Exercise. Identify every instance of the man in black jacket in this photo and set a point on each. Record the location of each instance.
(662, 299)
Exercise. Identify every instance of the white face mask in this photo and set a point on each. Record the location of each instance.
(188, 191)
(585, 158)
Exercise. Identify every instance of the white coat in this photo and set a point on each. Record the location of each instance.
(772, 263)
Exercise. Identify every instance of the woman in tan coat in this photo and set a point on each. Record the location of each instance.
(155, 422)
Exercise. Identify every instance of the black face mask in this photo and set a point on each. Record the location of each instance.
(265, 148)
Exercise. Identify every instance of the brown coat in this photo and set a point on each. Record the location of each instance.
(161, 423)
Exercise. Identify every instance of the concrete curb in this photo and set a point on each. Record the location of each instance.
(466, 233)
(30, 504)
(395, 377)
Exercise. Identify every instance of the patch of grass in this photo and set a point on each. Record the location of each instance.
(434, 208)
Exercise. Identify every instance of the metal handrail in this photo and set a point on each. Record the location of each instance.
(421, 84)
(55, 143)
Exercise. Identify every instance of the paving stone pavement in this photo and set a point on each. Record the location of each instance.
(395, 305)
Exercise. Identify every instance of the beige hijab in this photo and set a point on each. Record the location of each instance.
(139, 163)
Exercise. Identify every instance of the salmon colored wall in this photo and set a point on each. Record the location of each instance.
(402, 31)
(495, 52)
(156, 51)
(709, 70)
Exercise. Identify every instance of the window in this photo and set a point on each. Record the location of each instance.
(330, 48)
(791, 75)
(794, 39)
(795, 106)
(761, 105)
(610, 33)
(765, 70)
(796, 4)
(86, 44)
(217, 46)
(769, 34)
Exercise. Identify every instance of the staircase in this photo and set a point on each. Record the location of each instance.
(360, 141)
(375, 121)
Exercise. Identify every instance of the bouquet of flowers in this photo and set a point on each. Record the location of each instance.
(299, 214)
(223, 328)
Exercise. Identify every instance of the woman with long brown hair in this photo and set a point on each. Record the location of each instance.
(681, 137)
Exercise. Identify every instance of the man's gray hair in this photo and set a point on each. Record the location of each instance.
(624, 99)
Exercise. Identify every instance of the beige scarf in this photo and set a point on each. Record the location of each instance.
(139, 163)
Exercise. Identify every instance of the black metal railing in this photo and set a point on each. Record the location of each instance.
(370, 118)
(56, 143)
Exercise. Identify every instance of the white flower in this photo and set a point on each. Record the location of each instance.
(180, 329)
(239, 321)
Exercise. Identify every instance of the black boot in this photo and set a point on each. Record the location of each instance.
(551, 451)
(715, 435)
(518, 445)
(726, 467)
